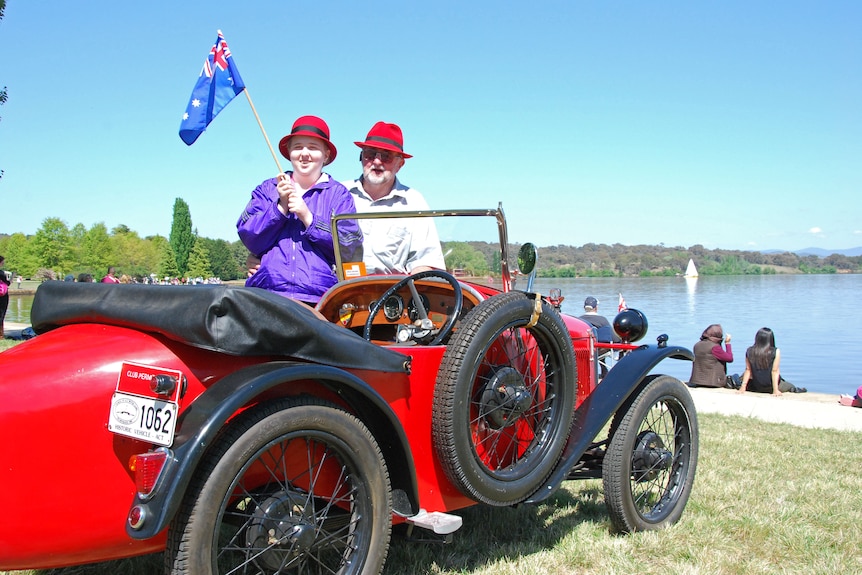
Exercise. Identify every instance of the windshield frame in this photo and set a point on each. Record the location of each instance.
(496, 213)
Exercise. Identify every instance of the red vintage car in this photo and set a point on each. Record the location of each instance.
(241, 432)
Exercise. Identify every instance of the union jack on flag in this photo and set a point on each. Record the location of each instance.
(218, 84)
(622, 304)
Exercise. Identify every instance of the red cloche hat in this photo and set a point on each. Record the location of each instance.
(308, 126)
(385, 137)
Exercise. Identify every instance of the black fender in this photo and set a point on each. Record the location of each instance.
(201, 422)
(598, 408)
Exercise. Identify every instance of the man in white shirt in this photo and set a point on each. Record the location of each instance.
(392, 246)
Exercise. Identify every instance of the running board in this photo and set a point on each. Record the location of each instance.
(436, 521)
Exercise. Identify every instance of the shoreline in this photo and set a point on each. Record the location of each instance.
(807, 410)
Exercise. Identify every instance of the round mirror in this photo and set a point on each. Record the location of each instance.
(527, 256)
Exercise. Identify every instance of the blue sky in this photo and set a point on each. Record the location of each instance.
(731, 124)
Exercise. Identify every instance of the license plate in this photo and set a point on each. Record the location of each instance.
(143, 418)
(139, 412)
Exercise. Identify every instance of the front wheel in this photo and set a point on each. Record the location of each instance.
(649, 467)
(293, 486)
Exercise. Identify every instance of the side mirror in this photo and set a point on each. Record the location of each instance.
(528, 255)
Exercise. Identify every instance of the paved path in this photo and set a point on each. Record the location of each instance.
(812, 410)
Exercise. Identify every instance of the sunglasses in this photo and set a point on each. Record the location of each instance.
(368, 154)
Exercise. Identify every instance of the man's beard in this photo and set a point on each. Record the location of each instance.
(373, 178)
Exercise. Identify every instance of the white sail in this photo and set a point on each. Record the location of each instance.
(691, 271)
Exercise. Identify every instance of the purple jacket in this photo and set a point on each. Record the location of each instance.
(297, 262)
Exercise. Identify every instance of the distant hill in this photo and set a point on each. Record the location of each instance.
(819, 252)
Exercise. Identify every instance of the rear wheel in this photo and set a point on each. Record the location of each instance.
(649, 467)
(504, 399)
(294, 486)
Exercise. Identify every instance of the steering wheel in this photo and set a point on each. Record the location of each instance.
(420, 307)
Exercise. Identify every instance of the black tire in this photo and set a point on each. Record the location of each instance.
(504, 399)
(293, 486)
(648, 470)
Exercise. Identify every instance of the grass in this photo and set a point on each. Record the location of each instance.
(768, 498)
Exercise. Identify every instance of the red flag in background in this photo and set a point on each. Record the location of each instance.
(622, 305)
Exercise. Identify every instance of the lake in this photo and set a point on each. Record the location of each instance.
(814, 318)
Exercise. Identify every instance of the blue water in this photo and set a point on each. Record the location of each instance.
(817, 319)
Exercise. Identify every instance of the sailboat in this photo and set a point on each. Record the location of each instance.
(690, 271)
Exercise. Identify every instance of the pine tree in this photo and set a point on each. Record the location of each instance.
(168, 263)
(182, 238)
(199, 262)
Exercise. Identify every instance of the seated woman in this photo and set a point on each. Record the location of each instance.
(710, 359)
(762, 367)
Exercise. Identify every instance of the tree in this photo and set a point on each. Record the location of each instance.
(19, 255)
(167, 262)
(76, 247)
(464, 257)
(132, 255)
(52, 243)
(221, 258)
(199, 262)
(239, 255)
(182, 237)
(97, 251)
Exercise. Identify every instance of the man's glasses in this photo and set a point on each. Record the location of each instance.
(368, 154)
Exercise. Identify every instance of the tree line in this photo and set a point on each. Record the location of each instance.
(643, 260)
(617, 260)
(57, 250)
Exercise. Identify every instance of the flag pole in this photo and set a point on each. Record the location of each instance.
(259, 123)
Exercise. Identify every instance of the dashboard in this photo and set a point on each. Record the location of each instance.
(397, 319)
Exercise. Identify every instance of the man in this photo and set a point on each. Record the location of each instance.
(604, 332)
(401, 246)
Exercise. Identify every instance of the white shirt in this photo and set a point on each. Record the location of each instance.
(397, 246)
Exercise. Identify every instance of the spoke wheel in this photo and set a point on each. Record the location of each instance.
(504, 399)
(294, 486)
(649, 467)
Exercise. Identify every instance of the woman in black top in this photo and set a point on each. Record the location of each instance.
(762, 372)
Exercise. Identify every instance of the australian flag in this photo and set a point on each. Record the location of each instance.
(218, 84)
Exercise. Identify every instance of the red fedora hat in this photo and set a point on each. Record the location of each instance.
(308, 126)
(385, 137)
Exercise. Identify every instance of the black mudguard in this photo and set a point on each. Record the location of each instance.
(199, 425)
(592, 415)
